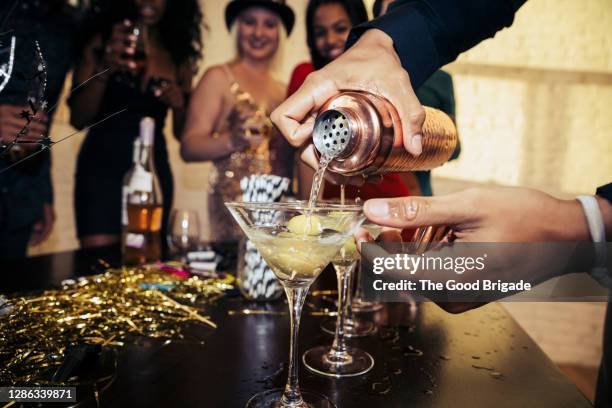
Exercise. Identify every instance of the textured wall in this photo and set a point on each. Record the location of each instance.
(533, 103)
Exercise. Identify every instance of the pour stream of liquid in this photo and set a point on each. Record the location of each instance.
(317, 180)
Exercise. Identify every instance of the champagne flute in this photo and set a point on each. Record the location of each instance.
(183, 232)
(132, 77)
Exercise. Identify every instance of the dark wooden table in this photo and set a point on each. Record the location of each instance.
(424, 357)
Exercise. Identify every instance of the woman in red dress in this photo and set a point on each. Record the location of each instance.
(328, 23)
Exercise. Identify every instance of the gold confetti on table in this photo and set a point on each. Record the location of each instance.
(101, 309)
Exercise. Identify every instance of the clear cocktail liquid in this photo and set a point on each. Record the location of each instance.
(317, 180)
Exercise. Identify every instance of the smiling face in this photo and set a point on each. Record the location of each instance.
(258, 33)
(151, 11)
(331, 27)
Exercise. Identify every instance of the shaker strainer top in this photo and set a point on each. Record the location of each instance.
(332, 133)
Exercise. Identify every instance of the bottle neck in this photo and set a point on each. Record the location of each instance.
(145, 157)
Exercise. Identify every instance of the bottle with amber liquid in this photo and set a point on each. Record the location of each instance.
(142, 203)
(361, 134)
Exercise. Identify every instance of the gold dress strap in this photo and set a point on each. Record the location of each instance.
(234, 86)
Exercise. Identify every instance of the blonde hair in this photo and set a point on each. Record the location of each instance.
(276, 64)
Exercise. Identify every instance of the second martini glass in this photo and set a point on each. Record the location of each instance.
(339, 360)
(296, 242)
(354, 326)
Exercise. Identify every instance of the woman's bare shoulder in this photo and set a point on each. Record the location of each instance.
(216, 73)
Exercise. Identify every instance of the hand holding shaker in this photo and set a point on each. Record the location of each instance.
(358, 130)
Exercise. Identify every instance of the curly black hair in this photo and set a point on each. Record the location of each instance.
(356, 11)
(180, 26)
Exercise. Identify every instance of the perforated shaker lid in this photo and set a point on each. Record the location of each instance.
(332, 133)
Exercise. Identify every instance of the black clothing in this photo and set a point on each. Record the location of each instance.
(429, 34)
(603, 397)
(26, 187)
(106, 155)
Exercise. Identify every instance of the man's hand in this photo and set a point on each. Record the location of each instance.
(370, 65)
(487, 215)
(494, 215)
(42, 229)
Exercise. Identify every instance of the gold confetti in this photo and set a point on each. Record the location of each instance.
(101, 309)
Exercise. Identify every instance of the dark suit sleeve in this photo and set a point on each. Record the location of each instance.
(428, 34)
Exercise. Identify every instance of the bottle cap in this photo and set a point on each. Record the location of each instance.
(147, 128)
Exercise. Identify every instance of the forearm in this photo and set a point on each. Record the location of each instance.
(196, 148)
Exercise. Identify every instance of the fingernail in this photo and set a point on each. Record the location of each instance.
(377, 208)
(417, 143)
(157, 92)
(396, 209)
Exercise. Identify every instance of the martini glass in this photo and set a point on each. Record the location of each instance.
(297, 242)
(358, 303)
(354, 326)
(339, 360)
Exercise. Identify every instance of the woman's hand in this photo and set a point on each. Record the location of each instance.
(121, 47)
(245, 132)
(12, 122)
(170, 94)
(42, 229)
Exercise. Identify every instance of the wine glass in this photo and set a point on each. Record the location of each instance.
(297, 241)
(183, 232)
(132, 77)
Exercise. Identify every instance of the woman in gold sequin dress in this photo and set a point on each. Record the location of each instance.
(228, 121)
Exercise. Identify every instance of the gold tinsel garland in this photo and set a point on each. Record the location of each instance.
(101, 309)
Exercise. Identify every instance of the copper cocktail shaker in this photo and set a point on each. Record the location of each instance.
(357, 130)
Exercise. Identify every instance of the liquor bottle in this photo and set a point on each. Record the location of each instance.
(362, 134)
(142, 203)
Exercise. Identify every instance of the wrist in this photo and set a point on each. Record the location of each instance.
(377, 38)
(568, 222)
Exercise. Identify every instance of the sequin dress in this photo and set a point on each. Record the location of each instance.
(227, 172)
